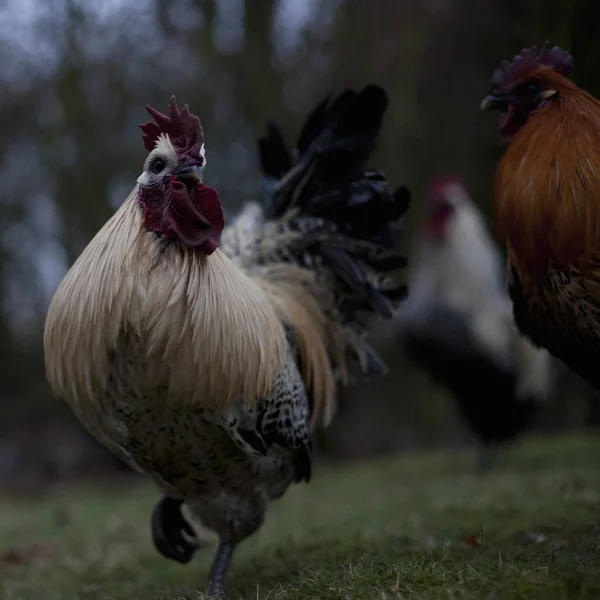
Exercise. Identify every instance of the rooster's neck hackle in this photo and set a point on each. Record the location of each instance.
(547, 188)
(207, 332)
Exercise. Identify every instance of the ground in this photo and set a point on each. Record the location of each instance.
(418, 526)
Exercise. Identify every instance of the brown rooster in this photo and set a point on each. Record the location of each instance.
(547, 196)
(457, 322)
(203, 355)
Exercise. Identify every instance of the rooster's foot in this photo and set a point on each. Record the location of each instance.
(172, 535)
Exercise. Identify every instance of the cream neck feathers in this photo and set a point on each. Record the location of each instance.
(206, 331)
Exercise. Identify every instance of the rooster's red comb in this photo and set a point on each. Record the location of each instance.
(182, 127)
(529, 61)
(439, 187)
(438, 183)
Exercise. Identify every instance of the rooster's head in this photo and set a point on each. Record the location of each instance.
(443, 198)
(175, 202)
(530, 81)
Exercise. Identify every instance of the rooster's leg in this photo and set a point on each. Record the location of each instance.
(220, 567)
(172, 535)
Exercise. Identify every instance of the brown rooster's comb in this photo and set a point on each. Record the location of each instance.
(182, 127)
(529, 61)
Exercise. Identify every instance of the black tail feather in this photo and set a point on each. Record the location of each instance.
(373, 366)
(333, 147)
(348, 215)
(275, 157)
(398, 293)
(315, 123)
(388, 263)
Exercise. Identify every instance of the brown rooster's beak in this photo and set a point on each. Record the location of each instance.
(188, 175)
(492, 102)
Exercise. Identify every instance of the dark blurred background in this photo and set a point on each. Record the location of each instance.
(74, 79)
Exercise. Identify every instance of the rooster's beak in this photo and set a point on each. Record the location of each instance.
(188, 175)
(494, 102)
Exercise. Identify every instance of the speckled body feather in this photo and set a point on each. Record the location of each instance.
(559, 310)
(226, 464)
(206, 372)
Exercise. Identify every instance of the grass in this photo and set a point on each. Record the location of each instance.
(420, 526)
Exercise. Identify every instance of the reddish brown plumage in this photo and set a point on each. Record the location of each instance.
(547, 195)
(547, 189)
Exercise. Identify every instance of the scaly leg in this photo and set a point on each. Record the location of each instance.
(172, 535)
(219, 568)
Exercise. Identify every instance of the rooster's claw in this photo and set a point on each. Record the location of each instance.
(172, 535)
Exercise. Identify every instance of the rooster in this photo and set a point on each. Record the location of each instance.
(547, 196)
(457, 322)
(204, 355)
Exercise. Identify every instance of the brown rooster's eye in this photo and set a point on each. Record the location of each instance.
(528, 91)
(157, 166)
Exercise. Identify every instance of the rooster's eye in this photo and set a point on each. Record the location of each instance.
(157, 165)
(533, 88)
